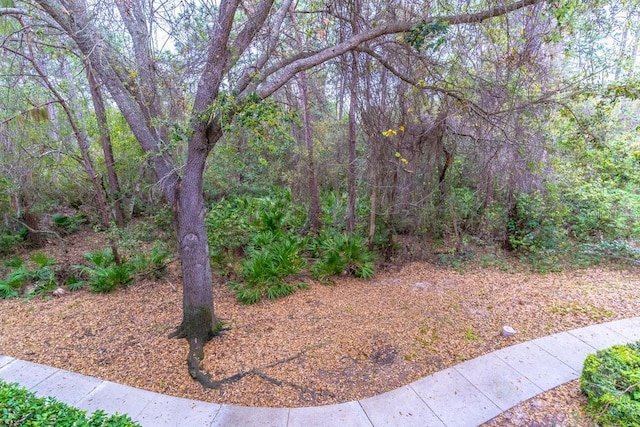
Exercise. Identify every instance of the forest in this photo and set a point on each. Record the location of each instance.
(265, 144)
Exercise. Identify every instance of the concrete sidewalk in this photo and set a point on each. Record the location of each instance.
(467, 394)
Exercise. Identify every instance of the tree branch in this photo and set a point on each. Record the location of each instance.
(288, 71)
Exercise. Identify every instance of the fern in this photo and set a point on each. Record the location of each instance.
(154, 263)
(14, 263)
(43, 277)
(246, 296)
(19, 277)
(280, 290)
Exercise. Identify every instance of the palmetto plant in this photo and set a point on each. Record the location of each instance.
(14, 281)
(341, 253)
(42, 277)
(271, 258)
(257, 241)
(67, 224)
(103, 274)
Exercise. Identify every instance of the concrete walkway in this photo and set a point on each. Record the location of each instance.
(467, 394)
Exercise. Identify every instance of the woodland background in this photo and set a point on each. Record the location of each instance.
(447, 141)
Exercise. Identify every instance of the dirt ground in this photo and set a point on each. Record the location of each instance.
(325, 344)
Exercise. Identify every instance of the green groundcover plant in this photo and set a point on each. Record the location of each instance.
(19, 407)
(611, 380)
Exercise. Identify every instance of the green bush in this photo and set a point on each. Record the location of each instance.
(611, 381)
(271, 258)
(8, 240)
(152, 263)
(340, 253)
(229, 230)
(601, 209)
(258, 241)
(42, 278)
(615, 250)
(19, 407)
(67, 224)
(534, 224)
(103, 275)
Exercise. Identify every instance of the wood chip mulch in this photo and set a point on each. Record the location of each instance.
(326, 344)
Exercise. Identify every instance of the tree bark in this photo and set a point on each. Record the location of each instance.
(199, 322)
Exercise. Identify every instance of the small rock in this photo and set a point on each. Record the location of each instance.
(59, 292)
(508, 331)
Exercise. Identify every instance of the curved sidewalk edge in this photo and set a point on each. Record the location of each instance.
(467, 394)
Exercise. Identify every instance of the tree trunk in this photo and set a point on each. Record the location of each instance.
(372, 214)
(105, 140)
(35, 238)
(351, 171)
(314, 197)
(199, 322)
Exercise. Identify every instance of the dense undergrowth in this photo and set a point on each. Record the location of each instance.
(264, 247)
(101, 270)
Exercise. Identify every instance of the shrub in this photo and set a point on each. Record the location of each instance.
(258, 241)
(42, 277)
(271, 258)
(232, 224)
(104, 275)
(228, 230)
(340, 253)
(19, 407)
(611, 381)
(615, 250)
(534, 224)
(13, 282)
(67, 224)
(152, 263)
(8, 240)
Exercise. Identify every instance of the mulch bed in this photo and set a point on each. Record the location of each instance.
(327, 344)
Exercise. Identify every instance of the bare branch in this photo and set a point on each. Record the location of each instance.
(290, 70)
(13, 11)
